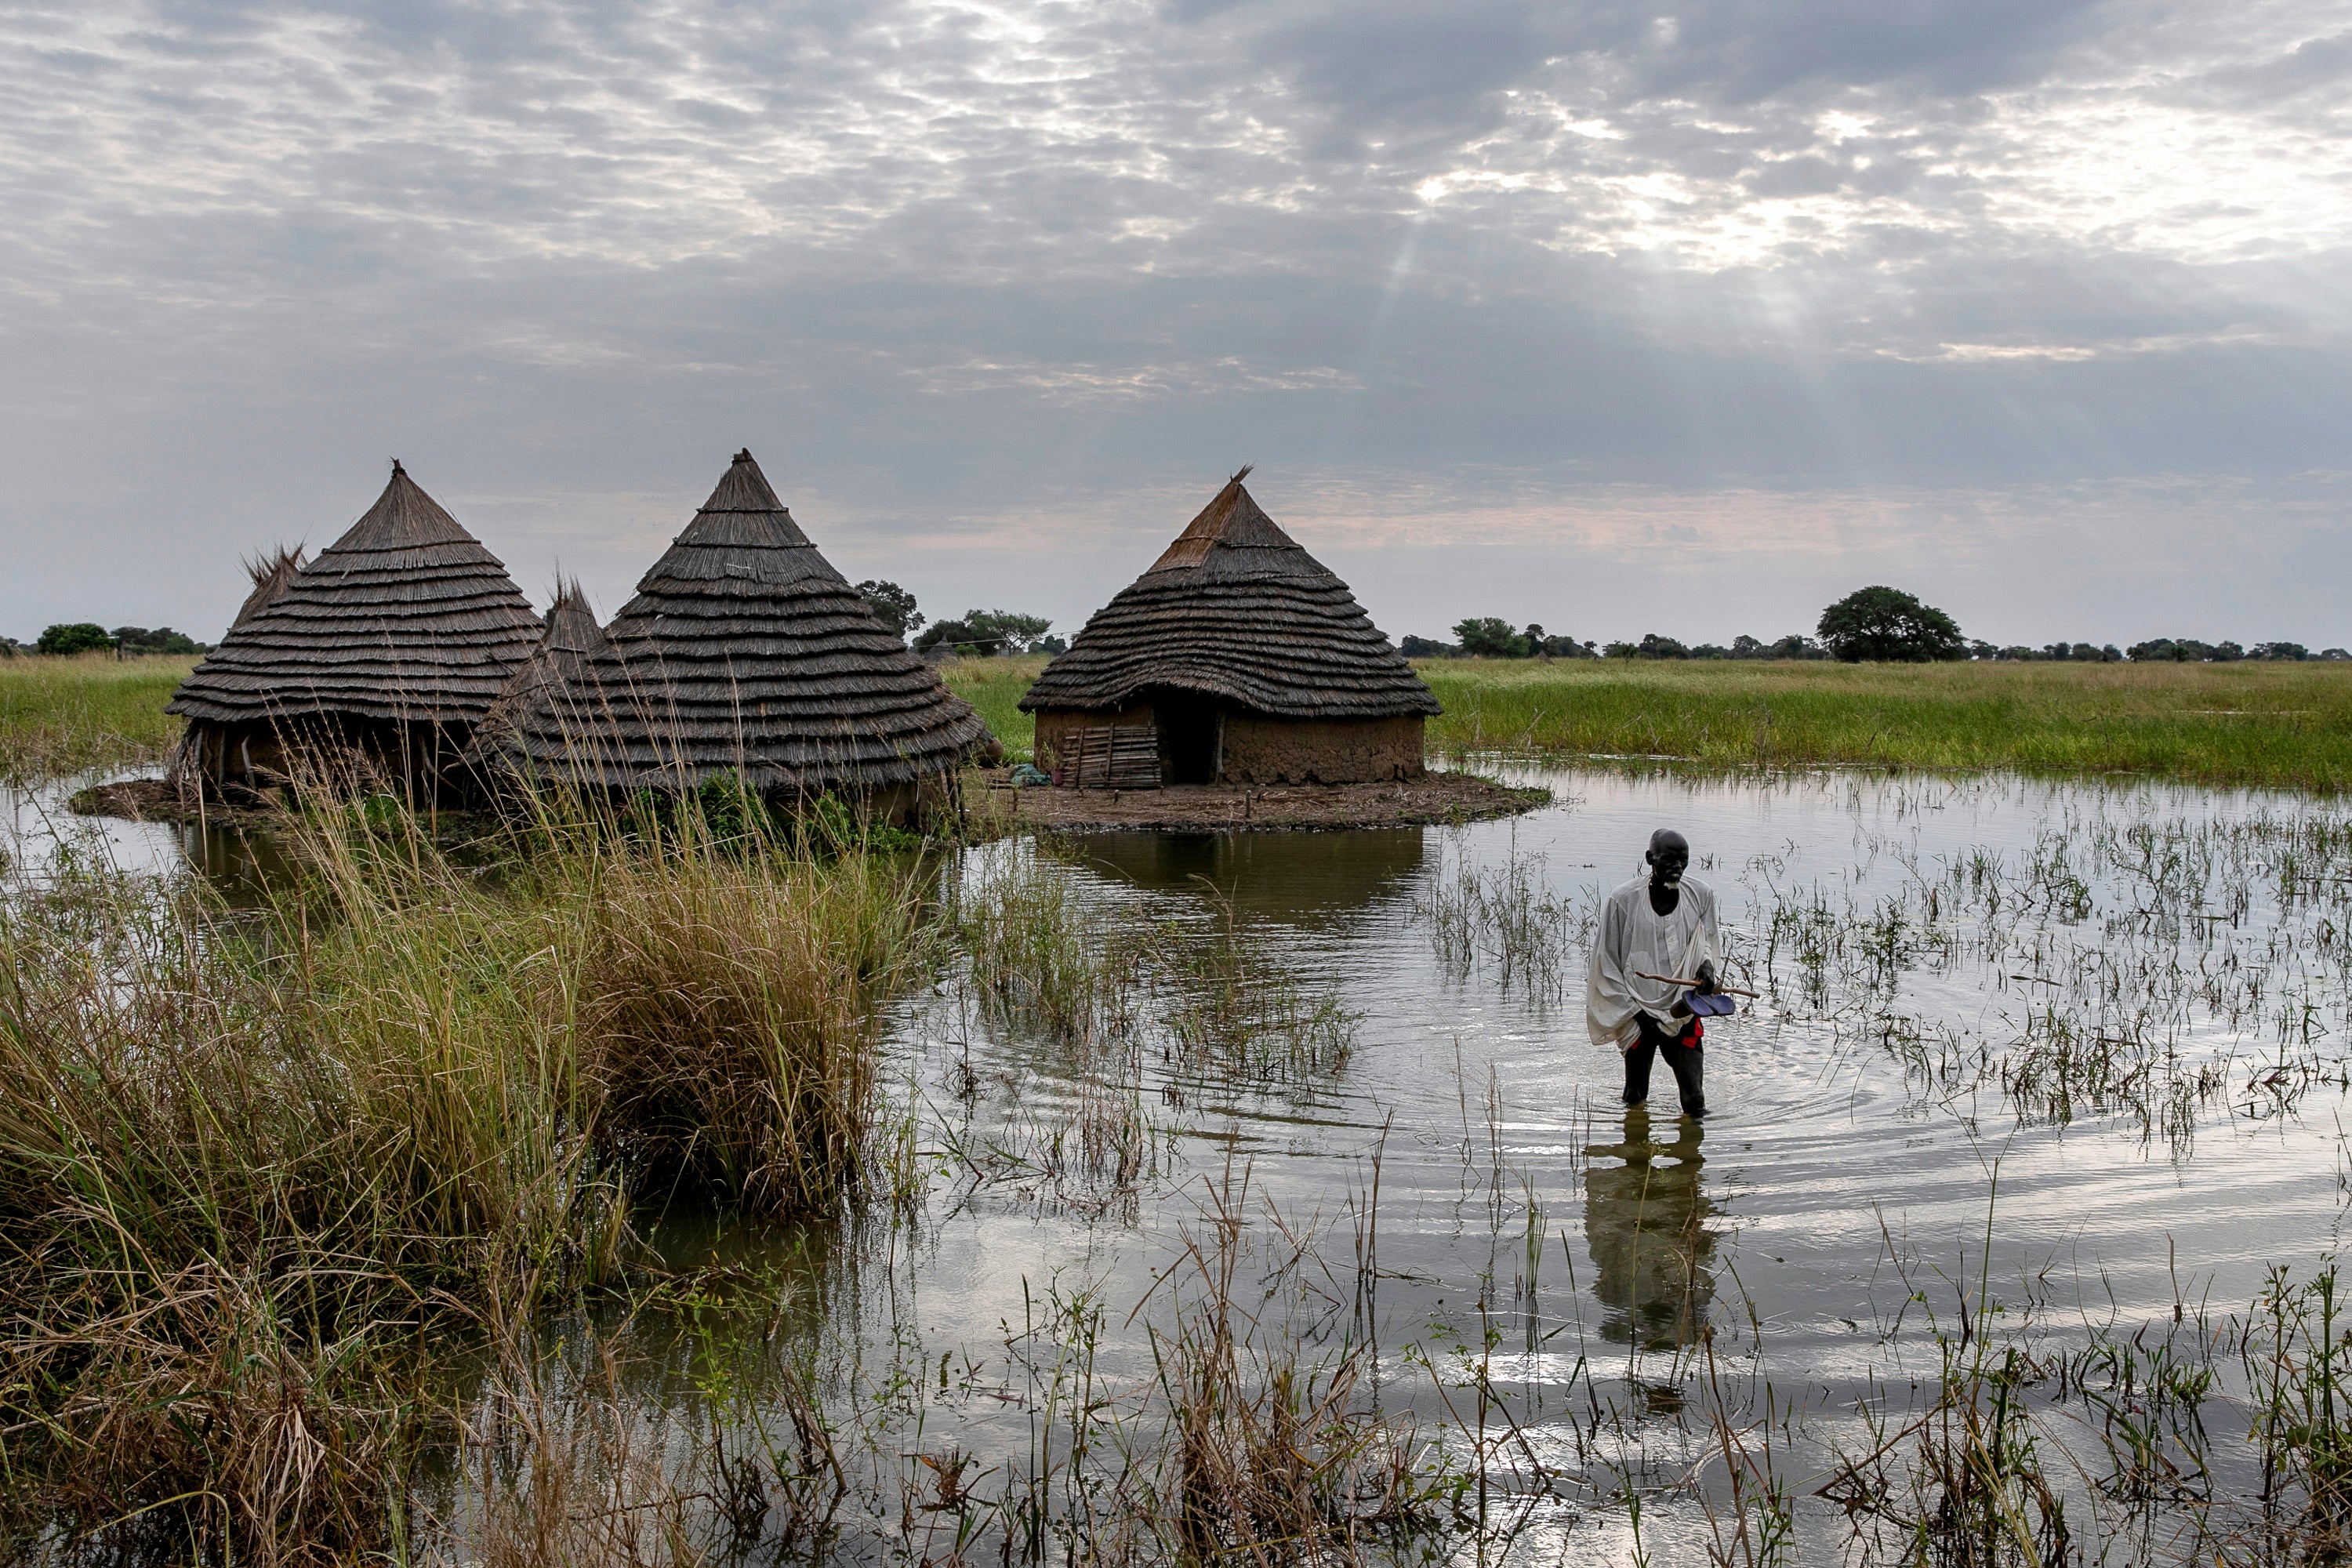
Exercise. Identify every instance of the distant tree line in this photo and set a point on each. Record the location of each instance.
(67, 637)
(1492, 638)
(1875, 623)
(1872, 622)
(973, 632)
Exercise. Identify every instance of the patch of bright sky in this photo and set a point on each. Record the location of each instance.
(596, 147)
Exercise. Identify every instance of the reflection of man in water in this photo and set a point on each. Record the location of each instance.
(1645, 1220)
(1662, 923)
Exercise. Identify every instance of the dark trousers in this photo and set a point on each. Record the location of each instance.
(1684, 1055)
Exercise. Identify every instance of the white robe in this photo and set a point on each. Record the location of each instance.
(1632, 937)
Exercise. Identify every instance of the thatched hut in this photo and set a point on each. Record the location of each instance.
(553, 692)
(379, 657)
(1238, 657)
(745, 654)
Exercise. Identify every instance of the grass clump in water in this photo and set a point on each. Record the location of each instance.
(261, 1175)
(1099, 980)
(1040, 958)
(726, 1013)
(2298, 1359)
(1237, 1010)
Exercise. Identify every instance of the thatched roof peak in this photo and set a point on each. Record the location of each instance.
(570, 620)
(1233, 535)
(745, 652)
(403, 517)
(744, 489)
(404, 618)
(743, 531)
(271, 571)
(553, 693)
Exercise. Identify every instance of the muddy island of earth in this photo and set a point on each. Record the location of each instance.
(1434, 797)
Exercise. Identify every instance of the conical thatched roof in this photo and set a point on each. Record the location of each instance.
(1237, 608)
(553, 690)
(745, 650)
(404, 618)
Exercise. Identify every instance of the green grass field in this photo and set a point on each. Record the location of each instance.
(2274, 725)
(994, 685)
(62, 715)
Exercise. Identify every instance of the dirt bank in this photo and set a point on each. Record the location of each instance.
(1436, 797)
(143, 800)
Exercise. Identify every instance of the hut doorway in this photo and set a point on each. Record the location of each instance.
(1191, 737)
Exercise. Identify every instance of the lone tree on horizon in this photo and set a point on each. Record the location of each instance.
(894, 604)
(72, 638)
(1883, 623)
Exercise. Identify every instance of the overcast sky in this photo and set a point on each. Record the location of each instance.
(1684, 317)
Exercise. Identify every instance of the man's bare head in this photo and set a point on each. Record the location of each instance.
(1668, 856)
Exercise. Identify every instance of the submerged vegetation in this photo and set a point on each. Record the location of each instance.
(295, 1193)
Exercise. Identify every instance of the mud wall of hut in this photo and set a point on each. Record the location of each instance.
(1257, 747)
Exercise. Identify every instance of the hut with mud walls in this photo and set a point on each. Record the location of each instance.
(369, 667)
(1237, 658)
(746, 656)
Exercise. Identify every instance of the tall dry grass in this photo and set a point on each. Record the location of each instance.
(727, 1014)
(261, 1173)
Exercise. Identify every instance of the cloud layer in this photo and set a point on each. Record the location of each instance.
(1520, 308)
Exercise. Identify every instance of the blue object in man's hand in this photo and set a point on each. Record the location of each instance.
(1710, 1005)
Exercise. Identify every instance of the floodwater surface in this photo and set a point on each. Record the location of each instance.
(2098, 1027)
(2031, 1065)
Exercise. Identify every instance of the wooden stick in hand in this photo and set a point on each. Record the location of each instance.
(1670, 979)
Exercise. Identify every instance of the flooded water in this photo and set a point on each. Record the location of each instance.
(36, 827)
(2031, 1062)
(1534, 1232)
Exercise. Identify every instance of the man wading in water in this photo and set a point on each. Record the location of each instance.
(1662, 924)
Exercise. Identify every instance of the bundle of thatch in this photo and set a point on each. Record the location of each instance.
(554, 691)
(745, 653)
(1251, 661)
(272, 572)
(383, 653)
